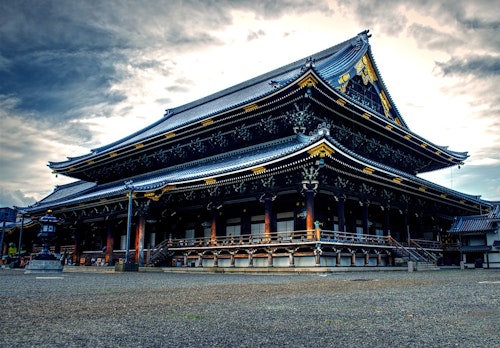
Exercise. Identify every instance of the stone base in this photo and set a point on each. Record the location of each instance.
(44, 266)
(126, 267)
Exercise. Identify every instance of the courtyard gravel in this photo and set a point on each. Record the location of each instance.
(447, 308)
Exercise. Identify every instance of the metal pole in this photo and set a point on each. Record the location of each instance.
(1, 239)
(20, 236)
(129, 223)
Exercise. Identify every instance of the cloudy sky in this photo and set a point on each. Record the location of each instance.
(75, 75)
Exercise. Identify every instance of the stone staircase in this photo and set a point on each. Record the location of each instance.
(422, 259)
(160, 253)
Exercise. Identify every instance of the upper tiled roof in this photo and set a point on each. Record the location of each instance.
(329, 62)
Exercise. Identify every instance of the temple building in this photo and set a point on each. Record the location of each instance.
(479, 239)
(307, 165)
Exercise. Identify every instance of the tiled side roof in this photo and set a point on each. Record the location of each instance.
(206, 168)
(477, 223)
(68, 190)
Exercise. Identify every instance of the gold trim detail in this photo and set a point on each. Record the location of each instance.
(438, 152)
(138, 146)
(398, 180)
(341, 101)
(258, 170)
(344, 78)
(168, 188)
(386, 105)
(321, 150)
(364, 68)
(207, 122)
(308, 81)
(422, 188)
(389, 127)
(71, 169)
(367, 115)
(444, 195)
(169, 135)
(250, 107)
(407, 136)
(368, 170)
(424, 145)
(90, 162)
(210, 181)
(113, 154)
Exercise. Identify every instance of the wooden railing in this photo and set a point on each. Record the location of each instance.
(280, 237)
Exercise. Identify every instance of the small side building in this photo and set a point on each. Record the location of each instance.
(478, 237)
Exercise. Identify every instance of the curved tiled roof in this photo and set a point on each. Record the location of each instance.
(211, 167)
(239, 94)
(229, 163)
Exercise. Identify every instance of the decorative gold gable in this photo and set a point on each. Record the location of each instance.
(321, 150)
(308, 81)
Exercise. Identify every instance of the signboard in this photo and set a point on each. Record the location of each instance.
(8, 215)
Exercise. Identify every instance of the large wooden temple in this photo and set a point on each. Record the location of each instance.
(307, 165)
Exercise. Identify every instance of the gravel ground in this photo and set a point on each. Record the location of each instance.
(449, 308)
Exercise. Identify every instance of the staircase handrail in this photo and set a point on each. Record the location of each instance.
(158, 250)
(406, 250)
(429, 256)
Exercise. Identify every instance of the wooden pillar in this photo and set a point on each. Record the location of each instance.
(387, 215)
(366, 205)
(140, 231)
(379, 259)
(291, 258)
(389, 260)
(407, 225)
(77, 248)
(341, 213)
(267, 217)
(250, 257)
(213, 229)
(200, 260)
(317, 256)
(353, 258)
(110, 242)
(269, 258)
(231, 260)
(339, 257)
(216, 259)
(309, 198)
(367, 258)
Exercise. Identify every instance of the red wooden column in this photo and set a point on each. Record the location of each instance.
(140, 231)
(213, 226)
(267, 198)
(77, 248)
(309, 198)
(110, 242)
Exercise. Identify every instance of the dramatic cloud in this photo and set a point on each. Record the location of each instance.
(75, 75)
